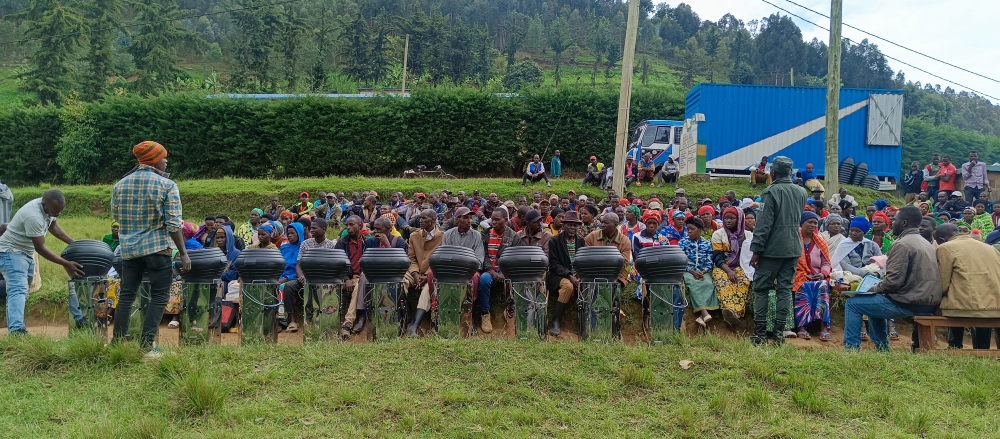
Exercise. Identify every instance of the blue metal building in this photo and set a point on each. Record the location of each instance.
(742, 123)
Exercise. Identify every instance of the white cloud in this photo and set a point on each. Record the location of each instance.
(962, 32)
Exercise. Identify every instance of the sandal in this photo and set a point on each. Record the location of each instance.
(864, 335)
(729, 315)
(824, 336)
(700, 322)
(803, 335)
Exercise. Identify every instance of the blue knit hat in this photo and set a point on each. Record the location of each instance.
(860, 222)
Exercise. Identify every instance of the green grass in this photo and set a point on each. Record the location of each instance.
(10, 96)
(493, 388)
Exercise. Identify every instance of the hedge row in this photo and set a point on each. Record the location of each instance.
(466, 131)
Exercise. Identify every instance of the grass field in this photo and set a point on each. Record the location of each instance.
(477, 388)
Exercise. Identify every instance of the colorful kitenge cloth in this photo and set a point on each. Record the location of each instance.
(812, 303)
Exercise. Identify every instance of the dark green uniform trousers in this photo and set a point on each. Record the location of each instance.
(772, 274)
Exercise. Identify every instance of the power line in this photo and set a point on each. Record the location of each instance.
(207, 14)
(899, 45)
(887, 56)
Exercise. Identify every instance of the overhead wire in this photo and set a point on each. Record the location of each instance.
(147, 23)
(897, 44)
(887, 56)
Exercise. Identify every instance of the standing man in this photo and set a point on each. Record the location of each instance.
(913, 181)
(947, 175)
(555, 166)
(974, 174)
(911, 285)
(25, 235)
(535, 172)
(776, 247)
(930, 176)
(147, 204)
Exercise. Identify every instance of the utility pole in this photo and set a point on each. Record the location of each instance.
(833, 100)
(792, 75)
(406, 53)
(625, 97)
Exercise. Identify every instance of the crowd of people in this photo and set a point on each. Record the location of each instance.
(780, 253)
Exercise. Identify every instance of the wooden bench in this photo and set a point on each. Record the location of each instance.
(925, 332)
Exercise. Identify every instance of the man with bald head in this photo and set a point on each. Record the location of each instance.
(422, 243)
(609, 234)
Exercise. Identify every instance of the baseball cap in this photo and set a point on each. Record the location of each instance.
(476, 192)
(655, 205)
(303, 194)
(419, 195)
(593, 157)
(583, 198)
(571, 192)
(462, 211)
(957, 194)
(533, 216)
(679, 190)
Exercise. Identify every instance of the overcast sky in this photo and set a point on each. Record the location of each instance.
(963, 32)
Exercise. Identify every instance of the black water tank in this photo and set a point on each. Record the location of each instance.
(598, 262)
(453, 264)
(384, 265)
(325, 265)
(662, 264)
(260, 265)
(95, 256)
(524, 264)
(206, 265)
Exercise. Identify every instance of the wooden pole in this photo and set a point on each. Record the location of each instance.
(833, 100)
(406, 53)
(625, 97)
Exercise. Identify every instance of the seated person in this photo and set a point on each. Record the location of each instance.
(423, 242)
(561, 278)
(595, 172)
(669, 173)
(264, 232)
(291, 283)
(535, 172)
(911, 285)
(811, 283)
(854, 254)
(701, 289)
(970, 276)
(462, 235)
(647, 169)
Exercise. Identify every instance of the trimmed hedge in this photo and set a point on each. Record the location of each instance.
(468, 132)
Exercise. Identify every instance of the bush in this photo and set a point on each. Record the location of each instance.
(470, 132)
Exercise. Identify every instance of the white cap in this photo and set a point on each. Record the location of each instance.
(583, 198)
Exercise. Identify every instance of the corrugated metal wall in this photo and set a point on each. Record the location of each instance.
(744, 122)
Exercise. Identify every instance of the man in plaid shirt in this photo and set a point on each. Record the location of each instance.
(147, 205)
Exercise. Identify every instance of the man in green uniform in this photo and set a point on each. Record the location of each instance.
(776, 248)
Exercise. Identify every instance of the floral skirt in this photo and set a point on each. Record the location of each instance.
(732, 295)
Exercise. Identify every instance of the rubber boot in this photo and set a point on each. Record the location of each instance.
(417, 317)
(779, 338)
(759, 337)
(556, 317)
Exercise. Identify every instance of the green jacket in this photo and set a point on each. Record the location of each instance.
(777, 232)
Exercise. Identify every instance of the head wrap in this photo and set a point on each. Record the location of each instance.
(969, 210)
(654, 214)
(882, 216)
(705, 209)
(257, 211)
(880, 204)
(267, 228)
(745, 203)
(861, 223)
(187, 228)
(635, 210)
(833, 217)
(678, 214)
(782, 165)
(924, 204)
(844, 204)
(695, 221)
(286, 214)
(808, 215)
(891, 209)
(115, 224)
(623, 202)
(735, 235)
(149, 152)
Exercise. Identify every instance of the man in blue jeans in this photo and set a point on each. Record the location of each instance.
(24, 236)
(911, 285)
(147, 204)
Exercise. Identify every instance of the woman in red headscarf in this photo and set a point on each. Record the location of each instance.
(811, 287)
(707, 215)
(880, 233)
(731, 283)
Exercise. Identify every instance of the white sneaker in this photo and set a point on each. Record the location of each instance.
(154, 354)
(173, 324)
(789, 334)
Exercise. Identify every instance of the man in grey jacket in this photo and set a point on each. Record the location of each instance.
(911, 285)
(776, 247)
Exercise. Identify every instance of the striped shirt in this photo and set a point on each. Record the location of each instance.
(147, 205)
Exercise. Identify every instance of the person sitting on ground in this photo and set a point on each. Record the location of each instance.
(647, 169)
(555, 225)
(291, 283)
(561, 278)
(497, 238)
(842, 195)
(977, 218)
(423, 242)
(731, 282)
(631, 224)
(669, 173)
(264, 232)
(303, 206)
(701, 289)
(595, 172)
(834, 231)
(966, 266)
(760, 173)
(588, 214)
(535, 172)
(275, 208)
(190, 242)
(631, 171)
(957, 205)
(111, 239)
(750, 218)
(911, 285)
(927, 229)
(811, 285)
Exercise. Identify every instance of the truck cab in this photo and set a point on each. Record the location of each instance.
(660, 137)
